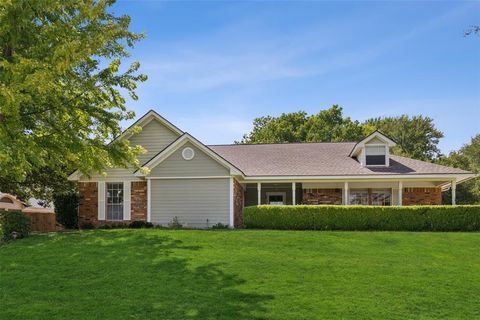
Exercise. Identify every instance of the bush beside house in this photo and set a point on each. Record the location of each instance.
(66, 209)
(411, 218)
(13, 225)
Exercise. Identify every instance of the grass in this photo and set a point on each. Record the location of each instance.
(180, 274)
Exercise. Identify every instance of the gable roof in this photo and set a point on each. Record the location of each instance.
(142, 122)
(376, 134)
(318, 159)
(175, 145)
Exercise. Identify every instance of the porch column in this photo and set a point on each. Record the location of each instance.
(259, 193)
(400, 193)
(345, 193)
(454, 192)
(294, 188)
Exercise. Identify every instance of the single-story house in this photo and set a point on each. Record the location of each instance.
(203, 185)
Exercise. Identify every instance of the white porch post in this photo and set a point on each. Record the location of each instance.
(454, 192)
(345, 193)
(400, 193)
(294, 188)
(259, 193)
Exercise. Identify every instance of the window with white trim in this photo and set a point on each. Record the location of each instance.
(374, 197)
(114, 200)
(381, 197)
(276, 198)
(359, 196)
(375, 155)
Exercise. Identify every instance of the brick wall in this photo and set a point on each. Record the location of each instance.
(238, 195)
(88, 203)
(139, 200)
(322, 196)
(422, 196)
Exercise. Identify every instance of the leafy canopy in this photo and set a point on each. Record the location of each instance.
(326, 126)
(416, 136)
(467, 158)
(61, 88)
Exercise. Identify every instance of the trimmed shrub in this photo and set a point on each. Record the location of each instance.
(140, 225)
(13, 225)
(66, 209)
(408, 218)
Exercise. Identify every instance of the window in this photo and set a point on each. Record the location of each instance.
(374, 197)
(188, 153)
(381, 197)
(359, 196)
(276, 198)
(114, 201)
(375, 155)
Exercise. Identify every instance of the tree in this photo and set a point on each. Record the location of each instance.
(61, 89)
(466, 158)
(325, 126)
(416, 136)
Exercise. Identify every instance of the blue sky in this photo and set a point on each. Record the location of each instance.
(215, 66)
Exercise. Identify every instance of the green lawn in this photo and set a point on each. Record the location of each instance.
(168, 274)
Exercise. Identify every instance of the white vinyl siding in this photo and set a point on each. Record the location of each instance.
(197, 203)
(201, 165)
(154, 137)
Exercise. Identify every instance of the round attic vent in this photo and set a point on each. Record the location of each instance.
(188, 153)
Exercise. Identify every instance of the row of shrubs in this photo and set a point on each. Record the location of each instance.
(14, 225)
(174, 224)
(320, 217)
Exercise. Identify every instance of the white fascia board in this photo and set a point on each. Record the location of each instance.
(74, 176)
(431, 177)
(142, 122)
(179, 143)
(375, 134)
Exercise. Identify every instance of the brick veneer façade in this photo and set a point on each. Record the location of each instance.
(411, 196)
(88, 203)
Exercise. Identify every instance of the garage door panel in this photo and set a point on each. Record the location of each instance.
(192, 201)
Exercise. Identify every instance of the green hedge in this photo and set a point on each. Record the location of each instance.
(408, 218)
(13, 225)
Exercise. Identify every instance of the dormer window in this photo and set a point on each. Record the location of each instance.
(374, 150)
(376, 155)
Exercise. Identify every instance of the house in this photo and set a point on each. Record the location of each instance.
(204, 185)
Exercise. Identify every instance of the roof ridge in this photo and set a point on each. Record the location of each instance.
(278, 143)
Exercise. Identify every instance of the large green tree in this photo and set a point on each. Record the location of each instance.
(467, 158)
(416, 137)
(326, 126)
(61, 89)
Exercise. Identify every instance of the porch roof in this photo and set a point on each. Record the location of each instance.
(318, 159)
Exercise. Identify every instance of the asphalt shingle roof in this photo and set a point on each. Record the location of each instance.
(316, 159)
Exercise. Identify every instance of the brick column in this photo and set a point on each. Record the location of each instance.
(139, 201)
(88, 203)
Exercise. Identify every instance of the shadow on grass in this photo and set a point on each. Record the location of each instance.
(109, 274)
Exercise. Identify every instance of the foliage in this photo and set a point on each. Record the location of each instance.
(13, 225)
(140, 224)
(475, 29)
(241, 275)
(87, 226)
(326, 126)
(220, 225)
(467, 158)
(66, 208)
(175, 223)
(411, 218)
(61, 95)
(416, 136)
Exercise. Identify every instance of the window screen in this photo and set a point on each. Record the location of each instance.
(382, 197)
(359, 196)
(114, 201)
(375, 155)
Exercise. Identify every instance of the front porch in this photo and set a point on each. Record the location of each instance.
(380, 193)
